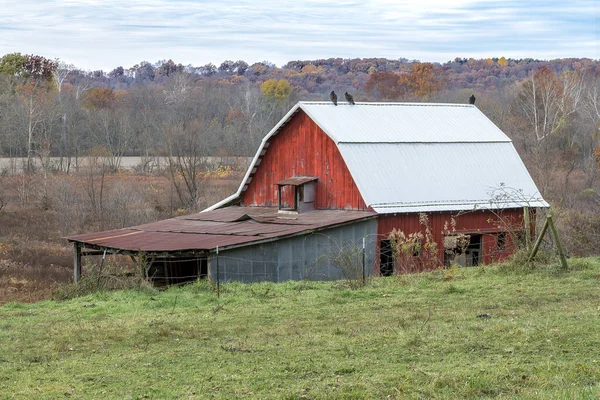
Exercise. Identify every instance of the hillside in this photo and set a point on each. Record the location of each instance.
(477, 332)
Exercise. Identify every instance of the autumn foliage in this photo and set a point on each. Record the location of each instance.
(99, 98)
(423, 80)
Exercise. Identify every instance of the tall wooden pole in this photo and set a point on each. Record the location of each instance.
(76, 262)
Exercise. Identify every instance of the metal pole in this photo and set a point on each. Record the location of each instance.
(218, 278)
(364, 277)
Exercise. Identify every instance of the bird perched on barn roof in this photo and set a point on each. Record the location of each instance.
(472, 99)
(349, 98)
(333, 98)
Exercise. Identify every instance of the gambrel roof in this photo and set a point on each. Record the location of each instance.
(419, 157)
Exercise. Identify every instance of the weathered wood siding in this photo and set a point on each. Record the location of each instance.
(488, 224)
(303, 149)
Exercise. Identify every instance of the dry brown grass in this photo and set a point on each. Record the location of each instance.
(38, 213)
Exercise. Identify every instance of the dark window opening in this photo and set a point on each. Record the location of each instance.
(417, 248)
(501, 241)
(521, 239)
(386, 258)
(296, 194)
(458, 250)
(474, 251)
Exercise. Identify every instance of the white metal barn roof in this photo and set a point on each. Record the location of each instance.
(415, 157)
(403, 123)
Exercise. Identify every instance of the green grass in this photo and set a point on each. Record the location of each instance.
(403, 337)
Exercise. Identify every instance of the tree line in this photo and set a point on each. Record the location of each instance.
(551, 109)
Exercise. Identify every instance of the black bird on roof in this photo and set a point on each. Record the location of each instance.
(472, 99)
(333, 98)
(349, 98)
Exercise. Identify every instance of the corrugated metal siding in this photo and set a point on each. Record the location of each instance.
(484, 222)
(416, 177)
(303, 149)
(301, 257)
(403, 123)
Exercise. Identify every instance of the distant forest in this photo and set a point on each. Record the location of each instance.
(551, 109)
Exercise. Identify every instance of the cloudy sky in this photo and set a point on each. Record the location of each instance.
(103, 34)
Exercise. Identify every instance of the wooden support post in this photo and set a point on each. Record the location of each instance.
(538, 242)
(527, 223)
(76, 262)
(364, 274)
(279, 197)
(561, 255)
(218, 276)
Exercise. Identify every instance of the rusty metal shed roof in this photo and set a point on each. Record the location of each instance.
(223, 228)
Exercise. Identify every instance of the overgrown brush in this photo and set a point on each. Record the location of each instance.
(95, 280)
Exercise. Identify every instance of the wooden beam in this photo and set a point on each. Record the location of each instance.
(561, 255)
(85, 252)
(76, 261)
(538, 242)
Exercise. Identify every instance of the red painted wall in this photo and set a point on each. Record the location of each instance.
(301, 148)
(486, 223)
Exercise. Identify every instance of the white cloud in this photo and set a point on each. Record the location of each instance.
(106, 33)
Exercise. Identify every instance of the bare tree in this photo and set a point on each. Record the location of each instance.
(548, 101)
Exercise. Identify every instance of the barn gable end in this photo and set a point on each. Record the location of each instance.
(301, 148)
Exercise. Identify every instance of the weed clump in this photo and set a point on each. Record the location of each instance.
(519, 261)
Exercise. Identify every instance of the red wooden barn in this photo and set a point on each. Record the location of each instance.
(424, 185)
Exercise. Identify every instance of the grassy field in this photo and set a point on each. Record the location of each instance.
(465, 333)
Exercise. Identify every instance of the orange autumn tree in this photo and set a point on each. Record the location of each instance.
(386, 86)
(424, 79)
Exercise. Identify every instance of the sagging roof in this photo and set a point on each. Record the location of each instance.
(419, 157)
(223, 228)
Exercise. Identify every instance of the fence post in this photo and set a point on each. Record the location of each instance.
(527, 222)
(218, 276)
(364, 277)
(100, 269)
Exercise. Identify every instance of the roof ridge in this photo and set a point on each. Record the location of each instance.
(388, 104)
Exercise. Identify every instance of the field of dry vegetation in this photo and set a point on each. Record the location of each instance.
(36, 212)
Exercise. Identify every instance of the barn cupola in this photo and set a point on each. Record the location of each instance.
(296, 194)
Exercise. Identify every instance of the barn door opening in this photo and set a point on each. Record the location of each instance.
(464, 250)
(386, 258)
